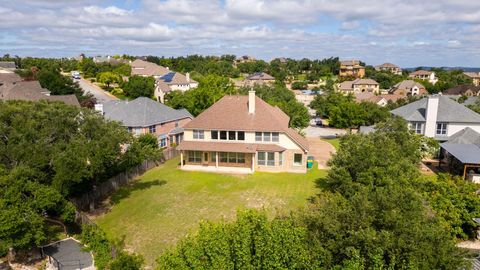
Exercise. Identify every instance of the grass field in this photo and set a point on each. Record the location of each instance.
(168, 203)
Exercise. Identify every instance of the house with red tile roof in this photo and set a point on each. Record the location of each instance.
(242, 134)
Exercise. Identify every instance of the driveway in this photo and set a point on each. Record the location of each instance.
(101, 95)
(321, 151)
(323, 132)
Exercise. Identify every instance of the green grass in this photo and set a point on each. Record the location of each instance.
(335, 142)
(167, 203)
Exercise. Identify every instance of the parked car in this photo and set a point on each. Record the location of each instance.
(318, 121)
(76, 75)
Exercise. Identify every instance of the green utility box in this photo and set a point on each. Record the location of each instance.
(309, 162)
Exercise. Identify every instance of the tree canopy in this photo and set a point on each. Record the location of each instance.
(138, 86)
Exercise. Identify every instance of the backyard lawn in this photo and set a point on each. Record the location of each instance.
(334, 142)
(167, 203)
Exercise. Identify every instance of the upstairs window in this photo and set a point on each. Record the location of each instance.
(241, 135)
(152, 129)
(232, 136)
(258, 136)
(441, 129)
(417, 127)
(266, 136)
(198, 134)
(275, 137)
(223, 135)
(214, 134)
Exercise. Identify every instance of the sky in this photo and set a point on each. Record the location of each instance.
(404, 32)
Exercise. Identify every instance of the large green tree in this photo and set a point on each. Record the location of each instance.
(138, 86)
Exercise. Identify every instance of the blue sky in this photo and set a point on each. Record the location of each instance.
(405, 32)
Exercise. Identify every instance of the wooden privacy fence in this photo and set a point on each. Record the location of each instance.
(87, 201)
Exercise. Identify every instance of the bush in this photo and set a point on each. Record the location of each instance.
(127, 262)
(302, 85)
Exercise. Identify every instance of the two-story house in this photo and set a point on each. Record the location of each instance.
(475, 76)
(390, 68)
(242, 134)
(438, 117)
(408, 88)
(259, 78)
(425, 75)
(144, 115)
(147, 69)
(173, 81)
(359, 86)
(351, 68)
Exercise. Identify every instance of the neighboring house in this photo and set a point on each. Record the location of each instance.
(425, 75)
(107, 59)
(408, 88)
(351, 68)
(475, 77)
(390, 68)
(463, 90)
(7, 66)
(147, 69)
(173, 81)
(258, 78)
(245, 59)
(7, 79)
(438, 117)
(461, 154)
(359, 86)
(33, 91)
(243, 134)
(380, 100)
(144, 115)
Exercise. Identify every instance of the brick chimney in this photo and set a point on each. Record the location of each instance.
(251, 102)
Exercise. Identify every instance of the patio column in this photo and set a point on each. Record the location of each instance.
(216, 159)
(181, 159)
(464, 171)
(253, 162)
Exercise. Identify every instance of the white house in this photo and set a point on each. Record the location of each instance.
(425, 75)
(438, 117)
(173, 81)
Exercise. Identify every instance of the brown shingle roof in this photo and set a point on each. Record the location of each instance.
(260, 76)
(461, 89)
(231, 113)
(387, 65)
(33, 91)
(145, 68)
(6, 78)
(420, 72)
(472, 74)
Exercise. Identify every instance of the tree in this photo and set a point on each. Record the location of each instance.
(299, 85)
(57, 83)
(108, 78)
(252, 242)
(138, 86)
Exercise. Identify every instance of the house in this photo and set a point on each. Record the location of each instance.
(463, 90)
(144, 115)
(147, 69)
(475, 76)
(359, 86)
(461, 154)
(245, 59)
(351, 68)
(7, 66)
(390, 68)
(258, 78)
(33, 91)
(438, 117)
(425, 75)
(107, 59)
(380, 100)
(242, 134)
(408, 88)
(173, 81)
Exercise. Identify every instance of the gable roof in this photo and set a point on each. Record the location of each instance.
(145, 68)
(8, 65)
(260, 76)
(461, 89)
(407, 85)
(465, 136)
(173, 78)
(473, 75)
(9, 78)
(420, 72)
(350, 63)
(142, 112)
(33, 91)
(365, 81)
(231, 113)
(448, 111)
(464, 145)
(387, 65)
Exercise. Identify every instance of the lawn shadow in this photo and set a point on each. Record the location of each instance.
(125, 192)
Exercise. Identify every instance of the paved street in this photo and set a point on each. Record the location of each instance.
(101, 95)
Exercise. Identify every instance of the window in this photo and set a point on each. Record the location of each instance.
(223, 157)
(130, 129)
(232, 157)
(232, 136)
(163, 142)
(223, 135)
(137, 131)
(152, 129)
(214, 157)
(198, 134)
(266, 136)
(205, 156)
(271, 159)
(214, 134)
(417, 127)
(258, 136)
(297, 159)
(441, 128)
(261, 158)
(275, 137)
(280, 159)
(240, 158)
(194, 156)
(241, 135)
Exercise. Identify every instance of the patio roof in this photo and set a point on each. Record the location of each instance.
(69, 254)
(228, 147)
(465, 153)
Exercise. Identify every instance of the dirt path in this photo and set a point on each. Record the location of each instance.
(321, 151)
